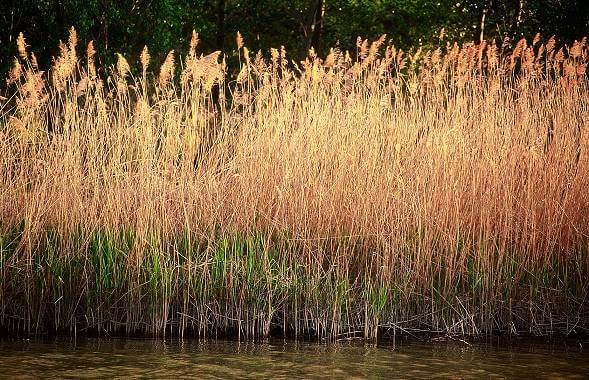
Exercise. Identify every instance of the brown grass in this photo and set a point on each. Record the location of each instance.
(443, 190)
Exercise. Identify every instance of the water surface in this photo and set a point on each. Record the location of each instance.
(134, 358)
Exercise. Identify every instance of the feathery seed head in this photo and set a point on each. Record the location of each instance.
(122, 66)
(72, 39)
(167, 70)
(15, 72)
(34, 62)
(72, 43)
(144, 58)
(21, 46)
(442, 34)
(90, 50)
(193, 43)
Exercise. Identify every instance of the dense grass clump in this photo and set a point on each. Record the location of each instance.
(444, 191)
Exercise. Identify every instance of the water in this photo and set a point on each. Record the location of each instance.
(100, 358)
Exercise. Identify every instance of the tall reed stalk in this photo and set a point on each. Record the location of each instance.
(444, 191)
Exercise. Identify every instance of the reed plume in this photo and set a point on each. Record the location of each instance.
(372, 192)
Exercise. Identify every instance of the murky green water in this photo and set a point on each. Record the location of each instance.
(107, 358)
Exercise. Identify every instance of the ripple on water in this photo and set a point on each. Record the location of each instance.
(133, 358)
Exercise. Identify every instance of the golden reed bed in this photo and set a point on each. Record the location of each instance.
(372, 192)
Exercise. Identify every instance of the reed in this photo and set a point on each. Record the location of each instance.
(372, 192)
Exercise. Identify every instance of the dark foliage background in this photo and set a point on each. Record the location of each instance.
(125, 26)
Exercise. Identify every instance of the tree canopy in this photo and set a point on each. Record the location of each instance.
(125, 26)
